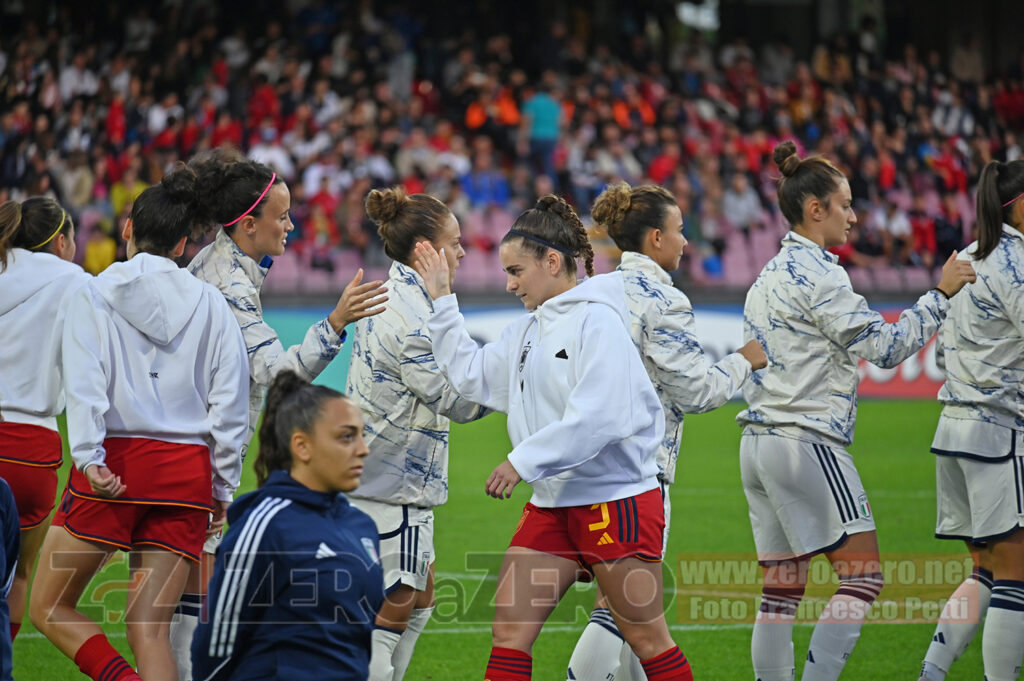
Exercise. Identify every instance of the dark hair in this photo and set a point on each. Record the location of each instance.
(230, 184)
(630, 213)
(33, 225)
(403, 220)
(554, 221)
(814, 176)
(999, 183)
(166, 212)
(292, 404)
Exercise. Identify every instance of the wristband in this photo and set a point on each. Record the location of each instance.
(946, 295)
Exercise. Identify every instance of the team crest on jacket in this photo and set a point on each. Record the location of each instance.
(370, 550)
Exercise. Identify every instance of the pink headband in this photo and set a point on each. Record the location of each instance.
(273, 176)
(1013, 199)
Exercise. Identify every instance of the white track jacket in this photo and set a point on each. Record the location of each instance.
(982, 349)
(152, 352)
(662, 328)
(584, 420)
(814, 327)
(31, 323)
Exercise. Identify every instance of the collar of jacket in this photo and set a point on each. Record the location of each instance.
(794, 240)
(638, 262)
(255, 271)
(1012, 231)
(282, 484)
(411, 278)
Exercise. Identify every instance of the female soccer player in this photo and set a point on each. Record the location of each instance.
(804, 492)
(156, 384)
(980, 468)
(646, 224)
(407, 405)
(585, 424)
(252, 204)
(297, 581)
(37, 244)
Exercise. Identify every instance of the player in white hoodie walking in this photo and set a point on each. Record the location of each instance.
(37, 244)
(585, 424)
(156, 380)
(646, 223)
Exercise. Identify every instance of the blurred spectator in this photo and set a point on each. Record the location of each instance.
(100, 250)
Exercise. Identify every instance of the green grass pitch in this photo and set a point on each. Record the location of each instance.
(709, 527)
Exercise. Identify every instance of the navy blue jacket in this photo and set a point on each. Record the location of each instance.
(10, 545)
(296, 587)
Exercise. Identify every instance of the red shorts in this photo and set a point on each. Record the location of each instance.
(597, 533)
(128, 526)
(29, 458)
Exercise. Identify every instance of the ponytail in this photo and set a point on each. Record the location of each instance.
(33, 225)
(999, 188)
(292, 404)
(553, 224)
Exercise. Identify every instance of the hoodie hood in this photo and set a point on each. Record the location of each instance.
(152, 294)
(606, 290)
(282, 485)
(27, 273)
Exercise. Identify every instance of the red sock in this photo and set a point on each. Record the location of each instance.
(508, 664)
(99, 661)
(15, 628)
(671, 665)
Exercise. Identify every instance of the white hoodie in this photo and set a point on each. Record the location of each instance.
(152, 352)
(584, 420)
(31, 323)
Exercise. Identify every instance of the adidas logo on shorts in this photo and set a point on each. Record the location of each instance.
(605, 539)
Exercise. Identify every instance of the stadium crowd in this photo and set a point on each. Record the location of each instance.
(343, 100)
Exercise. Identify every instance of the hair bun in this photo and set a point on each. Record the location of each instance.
(384, 205)
(786, 158)
(612, 205)
(180, 184)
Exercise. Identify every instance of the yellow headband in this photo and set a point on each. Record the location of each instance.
(63, 217)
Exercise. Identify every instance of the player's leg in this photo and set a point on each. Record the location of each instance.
(186, 614)
(857, 565)
(66, 566)
(530, 585)
(31, 542)
(157, 579)
(1002, 643)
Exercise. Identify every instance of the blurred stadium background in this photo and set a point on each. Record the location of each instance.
(487, 105)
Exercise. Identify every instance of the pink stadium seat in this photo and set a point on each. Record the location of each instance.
(888, 279)
(861, 279)
(918, 279)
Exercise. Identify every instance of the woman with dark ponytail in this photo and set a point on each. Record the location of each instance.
(297, 581)
(804, 492)
(251, 205)
(37, 244)
(647, 225)
(156, 385)
(979, 470)
(585, 425)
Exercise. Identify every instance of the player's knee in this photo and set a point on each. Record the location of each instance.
(781, 600)
(865, 587)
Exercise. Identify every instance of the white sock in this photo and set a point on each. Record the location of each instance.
(958, 624)
(596, 656)
(834, 637)
(1002, 643)
(771, 647)
(630, 668)
(183, 626)
(383, 642)
(403, 652)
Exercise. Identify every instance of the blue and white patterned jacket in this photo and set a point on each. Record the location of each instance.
(240, 278)
(814, 327)
(406, 401)
(982, 347)
(663, 330)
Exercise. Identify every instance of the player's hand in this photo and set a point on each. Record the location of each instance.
(220, 516)
(955, 274)
(754, 353)
(103, 482)
(358, 300)
(502, 481)
(433, 267)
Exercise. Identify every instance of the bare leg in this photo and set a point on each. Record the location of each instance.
(31, 542)
(157, 580)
